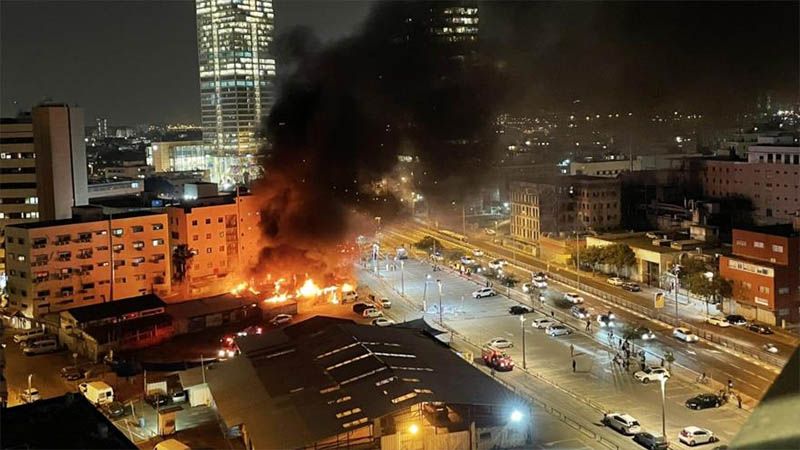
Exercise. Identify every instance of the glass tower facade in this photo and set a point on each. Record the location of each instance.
(237, 77)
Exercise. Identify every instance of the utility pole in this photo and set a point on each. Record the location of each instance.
(463, 218)
(441, 320)
(402, 279)
(424, 293)
(522, 329)
(663, 409)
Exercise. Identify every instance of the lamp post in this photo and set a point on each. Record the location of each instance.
(424, 294)
(522, 329)
(663, 409)
(710, 277)
(441, 321)
(402, 279)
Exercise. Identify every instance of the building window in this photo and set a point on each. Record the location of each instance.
(741, 243)
(783, 290)
(117, 231)
(221, 248)
(208, 221)
(777, 248)
(157, 242)
(219, 219)
(208, 250)
(208, 235)
(763, 290)
(158, 226)
(758, 244)
(196, 237)
(175, 235)
(137, 229)
(194, 223)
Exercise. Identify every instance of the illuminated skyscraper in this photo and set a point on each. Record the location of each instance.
(237, 80)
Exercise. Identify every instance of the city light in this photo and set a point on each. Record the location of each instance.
(413, 428)
(516, 416)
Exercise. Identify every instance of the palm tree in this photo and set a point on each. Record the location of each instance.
(180, 260)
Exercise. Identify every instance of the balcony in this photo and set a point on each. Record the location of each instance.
(63, 258)
(39, 244)
(39, 262)
(84, 255)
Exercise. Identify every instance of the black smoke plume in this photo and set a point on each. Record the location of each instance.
(348, 110)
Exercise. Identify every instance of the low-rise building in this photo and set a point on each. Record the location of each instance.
(654, 256)
(605, 168)
(63, 264)
(178, 156)
(764, 271)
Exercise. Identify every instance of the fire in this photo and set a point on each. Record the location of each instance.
(280, 298)
(347, 287)
(309, 289)
(239, 288)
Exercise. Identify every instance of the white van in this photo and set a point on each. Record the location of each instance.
(41, 346)
(29, 334)
(98, 392)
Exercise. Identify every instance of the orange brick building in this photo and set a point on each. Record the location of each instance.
(765, 271)
(223, 234)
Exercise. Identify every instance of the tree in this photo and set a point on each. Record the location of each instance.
(590, 257)
(620, 256)
(429, 243)
(180, 260)
(708, 286)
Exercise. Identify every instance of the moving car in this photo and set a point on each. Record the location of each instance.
(477, 252)
(685, 335)
(72, 373)
(579, 311)
(606, 320)
(736, 319)
(382, 322)
(402, 253)
(623, 423)
(631, 287)
(650, 441)
(489, 231)
(573, 297)
(615, 281)
(770, 347)
(498, 264)
(696, 435)
(29, 395)
(371, 313)
(281, 319)
(251, 330)
(718, 321)
(499, 342)
(467, 260)
(760, 329)
(704, 401)
(539, 283)
(543, 322)
(386, 303)
(644, 333)
(651, 374)
(115, 409)
(484, 292)
(497, 359)
(518, 310)
(558, 330)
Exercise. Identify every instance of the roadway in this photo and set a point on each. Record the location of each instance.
(596, 386)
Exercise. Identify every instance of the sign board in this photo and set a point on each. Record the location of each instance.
(659, 300)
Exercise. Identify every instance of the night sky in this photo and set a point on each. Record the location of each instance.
(136, 62)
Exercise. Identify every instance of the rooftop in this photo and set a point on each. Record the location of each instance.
(635, 240)
(324, 377)
(784, 230)
(65, 422)
(116, 308)
(77, 220)
(210, 305)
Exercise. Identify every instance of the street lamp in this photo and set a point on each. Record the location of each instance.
(710, 277)
(424, 293)
(663, 409)
(441, 321)
(402, 279)
(522, 329)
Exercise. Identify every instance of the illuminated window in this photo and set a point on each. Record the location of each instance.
(157, 242)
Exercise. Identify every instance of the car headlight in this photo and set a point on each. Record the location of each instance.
(221, 353)
(231, 353)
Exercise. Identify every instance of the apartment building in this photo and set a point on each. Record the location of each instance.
(764, 271)
(222, 232)
(564, 204)
(63, 264)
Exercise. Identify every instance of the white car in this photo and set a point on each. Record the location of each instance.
(557, 330)
(696, 435)
(484, 292)
(615, 281)
(386, 303)
(718, 321)
(685, 335)
(539, 283)
(467, 261)
(477, 252)
(544, 322)
(498, 264)
(606, 320)
(372, 313)
(500, 343)
(624, 423)
(573, 297)
(527, 288)
(770, 347)
(644, 333)
(29, 395)
(382, 322)
(489, 231)
(437, 257)
(651, 374)
(281, 319)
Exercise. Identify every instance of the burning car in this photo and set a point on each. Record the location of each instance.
(497, 359)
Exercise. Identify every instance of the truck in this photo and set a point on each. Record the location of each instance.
(97, 392)
(497, 359)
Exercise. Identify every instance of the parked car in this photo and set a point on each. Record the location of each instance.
(386, 303)
(518, 310)
(579, 311)
(437, 256)
(477, 252)
(558, 330)
(115, 409)
(489, 231)
(72, 373)
(650, 441)
(359, 308)
(631, 287)
(157, 399)
(498, 264)
(718, 321)
(644, 333)
(484, 292)
(651, 374)
(736, 319)
(696, 435)
(543, 322)
(178, 396)
(28, 335)
(573, 297)
(467, 260)
(539, 283)
(704, 401)
(760, 329)
(251, 330)
(281, 319)
(382, 322)
(685, 335)
(623, 423)
(40, 346)
(371, 313)
(770, 347)
(29, 395)
(540, 276)
(615, 281)
(606, 320)
(500, 343)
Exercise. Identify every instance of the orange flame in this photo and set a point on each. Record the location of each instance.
(309, 289)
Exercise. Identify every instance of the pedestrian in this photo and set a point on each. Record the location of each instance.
(730, 385)
(642, 365)
(588, 325)
(739, 400)
(571, 350)
(487, 283)
(552, 313)
(662, 361)
(574, 365)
